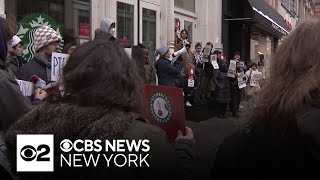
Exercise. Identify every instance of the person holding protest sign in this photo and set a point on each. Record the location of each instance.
(199, 64)
(98, 107)
(281, 140)
(253, 78)
(208, 72)
(222, 84)
(237, 83)
(15, 59)
(46, 42)
(12, 102)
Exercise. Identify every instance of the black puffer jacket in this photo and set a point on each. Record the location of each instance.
(34, 67)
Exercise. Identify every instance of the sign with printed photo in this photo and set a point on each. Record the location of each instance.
(58, 60)
(232, 69)
(214, 61)
(241, 80)
(255, 79)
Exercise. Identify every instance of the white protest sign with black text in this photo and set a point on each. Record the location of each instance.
(26, 87)
(232, 69)
(214, 61)
(58, 61)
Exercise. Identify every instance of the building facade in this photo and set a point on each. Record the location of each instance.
(306, 9)
(317, 8)
(152, 22)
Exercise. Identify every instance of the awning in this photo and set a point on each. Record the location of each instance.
(265, 14)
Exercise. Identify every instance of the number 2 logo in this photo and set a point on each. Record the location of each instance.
(29, 153)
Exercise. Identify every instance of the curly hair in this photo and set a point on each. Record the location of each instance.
(99, 73)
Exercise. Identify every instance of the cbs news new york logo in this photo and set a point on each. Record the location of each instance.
(35, 153)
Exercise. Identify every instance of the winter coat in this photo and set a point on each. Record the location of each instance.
(167, 73)
(222, 84)
(34, 67)
(14, 64)
(262, 152)
(150, 74)
(208, 69)
(12, 102)
(69, 121)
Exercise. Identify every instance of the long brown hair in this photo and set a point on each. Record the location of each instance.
(100, 73)
(294, 81)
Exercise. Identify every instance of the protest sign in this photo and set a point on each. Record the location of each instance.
(129, 52)
(241, 80)
(58, 60)
(232, 69)
(214, 61)
(26, 87)
(255, 78)
(164, 107)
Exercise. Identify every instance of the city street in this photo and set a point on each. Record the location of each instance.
(209, 134)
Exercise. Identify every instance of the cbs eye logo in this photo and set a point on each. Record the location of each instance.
(29, 153)
(66, 145)
(35, 153)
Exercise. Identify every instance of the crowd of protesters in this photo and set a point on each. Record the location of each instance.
(282, 137)
(209, 84)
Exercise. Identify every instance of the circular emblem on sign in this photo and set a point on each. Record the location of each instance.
(27, 28)
(161, 108)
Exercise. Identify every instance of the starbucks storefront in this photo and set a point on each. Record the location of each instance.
(69, 18)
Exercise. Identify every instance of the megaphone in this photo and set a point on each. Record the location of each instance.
(180, 52)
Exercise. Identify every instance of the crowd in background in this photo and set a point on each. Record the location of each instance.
(210, 84)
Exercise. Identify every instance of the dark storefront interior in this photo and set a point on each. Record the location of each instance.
(243, 25)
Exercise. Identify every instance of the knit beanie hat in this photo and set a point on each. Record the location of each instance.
(45, 35)
(162, 51)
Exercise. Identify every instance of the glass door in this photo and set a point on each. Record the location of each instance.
(187, 23)
(149, 27)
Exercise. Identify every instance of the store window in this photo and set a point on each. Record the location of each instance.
(186, 4)
(188, 26)
(149, 26)
(70, 18)
(124, 25)
(261, 52)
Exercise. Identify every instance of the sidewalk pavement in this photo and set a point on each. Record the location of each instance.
(209, 135)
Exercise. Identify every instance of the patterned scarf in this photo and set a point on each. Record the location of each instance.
(198, 57)
(47, 63)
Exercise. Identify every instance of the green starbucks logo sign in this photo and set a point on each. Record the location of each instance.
(27, 28)
(160, 107)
